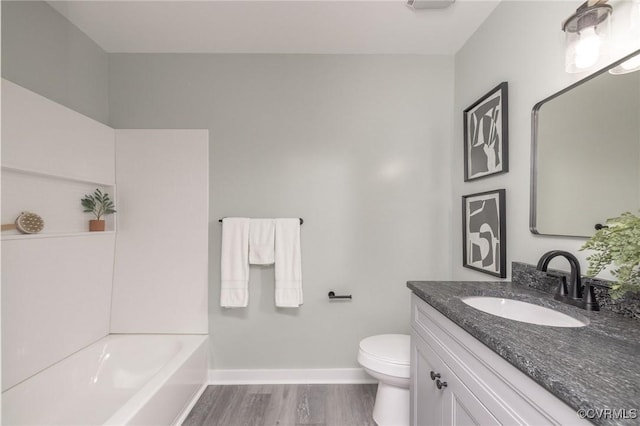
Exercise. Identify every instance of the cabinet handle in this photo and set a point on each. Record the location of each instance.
(434, 375)
(441, 385)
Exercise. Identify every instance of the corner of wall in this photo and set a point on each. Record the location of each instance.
(36, 37)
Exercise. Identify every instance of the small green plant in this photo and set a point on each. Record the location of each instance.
(98, 203)
(618, 244)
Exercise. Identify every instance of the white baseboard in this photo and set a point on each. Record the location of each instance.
(289, 376)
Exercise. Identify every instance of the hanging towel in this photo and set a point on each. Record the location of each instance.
(261, 241)
(288, 266)
(234, 263)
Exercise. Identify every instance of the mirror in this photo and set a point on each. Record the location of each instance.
(586, 154)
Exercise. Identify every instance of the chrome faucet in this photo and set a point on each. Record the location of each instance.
(573, 294)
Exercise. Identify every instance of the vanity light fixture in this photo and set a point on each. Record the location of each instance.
(630, 42)
(586, 34)
(630, 65)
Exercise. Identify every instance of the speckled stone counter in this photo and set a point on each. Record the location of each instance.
(592, 367)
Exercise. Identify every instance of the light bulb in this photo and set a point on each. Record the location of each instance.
(587, 48)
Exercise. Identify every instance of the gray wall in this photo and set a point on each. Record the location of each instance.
(529, 54)
(43, 52)
(358, 146)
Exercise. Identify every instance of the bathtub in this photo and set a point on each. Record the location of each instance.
(119, 380)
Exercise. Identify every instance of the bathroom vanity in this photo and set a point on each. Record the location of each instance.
(471, 367)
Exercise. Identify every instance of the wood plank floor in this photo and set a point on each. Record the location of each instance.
(286, 405)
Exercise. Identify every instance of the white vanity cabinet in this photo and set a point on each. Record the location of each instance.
(452, 403)
(481, 387)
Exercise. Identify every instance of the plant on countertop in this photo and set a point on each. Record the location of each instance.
(98, 203)
(618, 244)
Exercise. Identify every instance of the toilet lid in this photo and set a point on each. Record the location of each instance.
(392, 348)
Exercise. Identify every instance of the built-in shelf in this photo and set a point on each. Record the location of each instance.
(53, 235)
(54, 197)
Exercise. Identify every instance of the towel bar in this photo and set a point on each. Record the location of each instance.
(332, 295)
(301, 221)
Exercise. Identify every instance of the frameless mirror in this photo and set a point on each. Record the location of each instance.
(586, 153)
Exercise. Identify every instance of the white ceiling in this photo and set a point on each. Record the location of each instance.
(240, 26)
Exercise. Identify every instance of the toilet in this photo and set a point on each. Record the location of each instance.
(386, 358)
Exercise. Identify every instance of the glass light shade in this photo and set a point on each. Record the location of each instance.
(629, 42)
(630, 65)
(586, 36)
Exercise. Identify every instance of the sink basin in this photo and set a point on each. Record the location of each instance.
(522, 311)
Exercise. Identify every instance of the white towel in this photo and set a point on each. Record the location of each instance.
(288, 263)
(234, 263)
(261, 241)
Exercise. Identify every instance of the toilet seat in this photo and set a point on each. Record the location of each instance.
(388, 354)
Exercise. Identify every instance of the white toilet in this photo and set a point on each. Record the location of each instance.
(386, 358)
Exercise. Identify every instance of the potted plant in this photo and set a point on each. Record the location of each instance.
(99, 204)
(617, 243)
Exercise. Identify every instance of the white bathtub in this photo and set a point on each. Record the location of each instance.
(119, 380)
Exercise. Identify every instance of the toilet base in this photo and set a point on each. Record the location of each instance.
(392, 405)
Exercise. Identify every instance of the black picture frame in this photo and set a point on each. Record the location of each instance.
(486, 135)
(484, 216)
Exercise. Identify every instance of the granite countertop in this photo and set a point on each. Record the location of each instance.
(591, 367)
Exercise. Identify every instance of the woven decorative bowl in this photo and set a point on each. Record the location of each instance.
(29, 223)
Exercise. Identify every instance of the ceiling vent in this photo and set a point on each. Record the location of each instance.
(429, 4)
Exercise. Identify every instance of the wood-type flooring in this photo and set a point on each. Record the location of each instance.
(285, 405)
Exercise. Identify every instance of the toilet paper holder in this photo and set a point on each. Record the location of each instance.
(332, 295)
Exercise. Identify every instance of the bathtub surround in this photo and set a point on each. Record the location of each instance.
(65, 289)
(43, 136)
(49, 308)
(161, 256)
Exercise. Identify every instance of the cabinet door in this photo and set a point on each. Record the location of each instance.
(451, 405)
(426, 402)
(461, 407)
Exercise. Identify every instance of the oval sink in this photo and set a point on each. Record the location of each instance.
(522, 311)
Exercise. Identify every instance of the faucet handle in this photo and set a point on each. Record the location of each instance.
(562, 287)
(590, 302)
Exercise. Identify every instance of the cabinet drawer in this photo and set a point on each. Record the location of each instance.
(510, 395)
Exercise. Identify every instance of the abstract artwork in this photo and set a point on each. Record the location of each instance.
(486, 135)
(483, 230)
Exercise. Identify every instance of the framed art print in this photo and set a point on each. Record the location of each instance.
(486, 135)
(484, 232)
